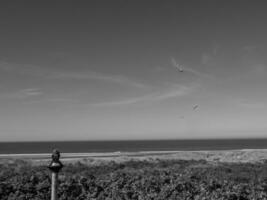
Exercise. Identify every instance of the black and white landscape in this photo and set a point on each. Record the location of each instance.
(144, 99)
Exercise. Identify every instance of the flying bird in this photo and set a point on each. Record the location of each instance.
(176, 65)
(195, 107)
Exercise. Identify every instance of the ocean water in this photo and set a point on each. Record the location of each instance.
(130, 146)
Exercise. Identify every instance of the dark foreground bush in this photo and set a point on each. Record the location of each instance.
(161, 180)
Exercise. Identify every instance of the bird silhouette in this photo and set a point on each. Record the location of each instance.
(195, 107)
(176, 65)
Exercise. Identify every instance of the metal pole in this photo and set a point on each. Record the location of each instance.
(55, 166)
(54, 186)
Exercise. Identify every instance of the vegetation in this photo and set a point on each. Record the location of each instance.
(161, 180)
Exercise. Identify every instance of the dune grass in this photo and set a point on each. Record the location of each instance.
(139, 180)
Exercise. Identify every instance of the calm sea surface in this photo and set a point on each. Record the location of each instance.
(131, 146)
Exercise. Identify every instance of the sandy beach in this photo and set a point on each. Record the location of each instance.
(229, 156)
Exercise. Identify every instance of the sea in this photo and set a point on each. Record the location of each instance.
(130, 146)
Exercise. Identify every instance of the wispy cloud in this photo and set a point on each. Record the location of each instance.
(173, 92)
(22, 94)
(120, 102)
(96, 76)
(56, 74)
(31, 92)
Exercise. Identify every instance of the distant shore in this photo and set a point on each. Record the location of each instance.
(243, 156)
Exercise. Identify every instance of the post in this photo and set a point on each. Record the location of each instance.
(55, 166)
(54, 186)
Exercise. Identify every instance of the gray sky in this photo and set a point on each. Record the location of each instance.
(101, 70)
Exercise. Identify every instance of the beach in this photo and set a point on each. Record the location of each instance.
(227, 156)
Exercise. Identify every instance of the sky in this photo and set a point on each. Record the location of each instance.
(130, 70)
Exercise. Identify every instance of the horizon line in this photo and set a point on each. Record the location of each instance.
(129, 140)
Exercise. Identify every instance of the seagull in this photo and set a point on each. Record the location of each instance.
(195, 107)
(176, 65)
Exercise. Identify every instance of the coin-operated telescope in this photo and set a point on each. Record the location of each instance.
(55, 166)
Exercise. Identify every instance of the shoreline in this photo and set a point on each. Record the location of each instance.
(118, 153)
(241, 155)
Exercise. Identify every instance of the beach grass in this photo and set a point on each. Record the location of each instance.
(145, 177)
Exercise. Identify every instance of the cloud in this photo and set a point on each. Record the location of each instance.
(120, 102)
(23, 93)
(31, 92)
(173, 92)
(96, 76)
(57, 74)
(58, 100)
